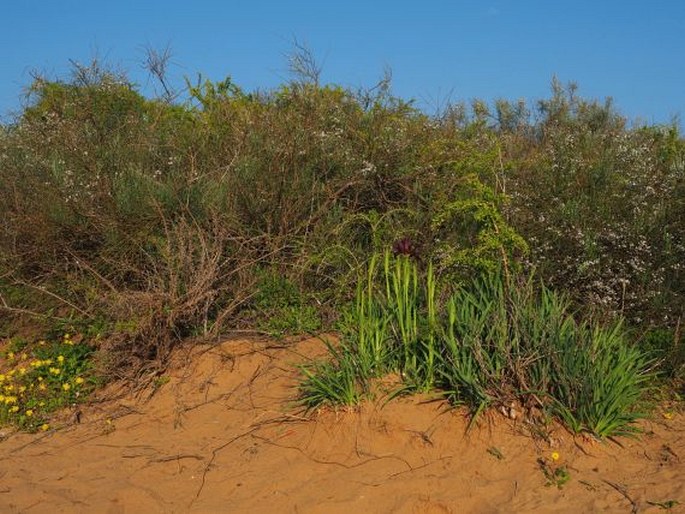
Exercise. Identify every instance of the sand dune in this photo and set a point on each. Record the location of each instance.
(223, 435)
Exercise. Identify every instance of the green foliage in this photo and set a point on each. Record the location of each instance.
(472, 233)
(210, 94)
(667, 348)
(153, 221)
(333, 382)
(367, 327)
(289, 320)
(511, 342)
(492, 342)
(39, 378)
(463, 376)
(402, 302)
(281, 307)
(555, 474)
(598, 381)
(601, 207)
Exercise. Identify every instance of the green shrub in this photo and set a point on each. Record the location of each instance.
(281, 308)
(601, 207)
(667, 348)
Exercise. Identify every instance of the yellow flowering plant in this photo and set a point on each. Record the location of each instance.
(38, 378)
(555, 472)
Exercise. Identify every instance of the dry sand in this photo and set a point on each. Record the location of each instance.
(222, 435)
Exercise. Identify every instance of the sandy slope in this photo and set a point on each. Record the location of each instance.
(223, 436)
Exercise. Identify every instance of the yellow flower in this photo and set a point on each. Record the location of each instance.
(22, 389)
(29, 413)
(2, 378)
(14, 409)
(10, 356)
(60, 359)
(79, 380)
(41, 404)
(66, 387)
(42, 387)
(44, 427)
(668, 415)
(55, 371)
(2, 398)
(555, 456)
(10, 399)
(40, 379)
(36, 363)
(22, 371)
(8, 388)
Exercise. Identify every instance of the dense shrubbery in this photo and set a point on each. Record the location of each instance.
(603, 209)
(156, 221)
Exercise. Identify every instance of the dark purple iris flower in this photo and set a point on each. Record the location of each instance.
(405, 246)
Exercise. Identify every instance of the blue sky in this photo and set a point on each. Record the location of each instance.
(630, 50)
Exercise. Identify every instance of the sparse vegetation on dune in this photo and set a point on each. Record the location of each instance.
(142, 222)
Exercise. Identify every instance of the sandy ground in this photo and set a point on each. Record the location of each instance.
(223, 435)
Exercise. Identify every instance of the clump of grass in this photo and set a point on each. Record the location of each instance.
(511, 341)
(339, 380)
(38, 379)
(491, 342)
(368, 327)
(598, 380)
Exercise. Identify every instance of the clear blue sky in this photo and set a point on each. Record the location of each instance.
(633, 51)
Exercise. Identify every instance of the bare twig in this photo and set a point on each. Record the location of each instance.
(215, 452)
(623, 491)
(156, 62)
(303, 64)
(16, 310)
(57, 297)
